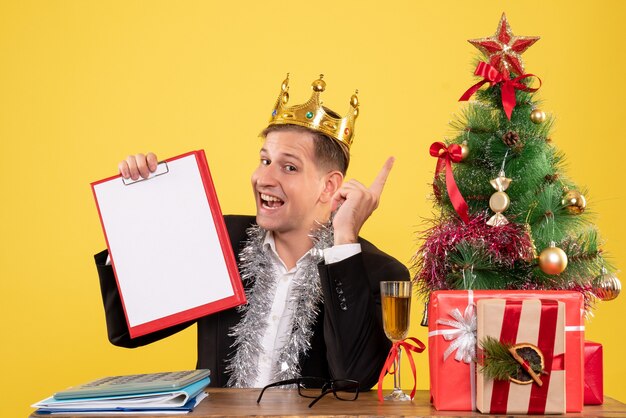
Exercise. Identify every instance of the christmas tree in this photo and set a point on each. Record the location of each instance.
(509, 216)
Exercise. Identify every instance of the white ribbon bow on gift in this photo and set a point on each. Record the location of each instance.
(463, 334)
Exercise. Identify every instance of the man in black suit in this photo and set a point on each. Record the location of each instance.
(311, 282)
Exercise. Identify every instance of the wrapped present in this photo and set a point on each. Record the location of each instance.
(452, 344)
(594, 392)
(528, 336)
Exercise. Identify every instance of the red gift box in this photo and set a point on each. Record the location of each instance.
(540, 323)
(594, 391)
(453, 379)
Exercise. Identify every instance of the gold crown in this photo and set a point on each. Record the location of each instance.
(312, 114)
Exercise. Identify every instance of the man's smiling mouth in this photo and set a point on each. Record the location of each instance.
(269, 201)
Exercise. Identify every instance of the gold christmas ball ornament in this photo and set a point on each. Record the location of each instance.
(574, 202)
(552, 260)
(499, 202)
(464, 150)
(538, 116)
(607, 286)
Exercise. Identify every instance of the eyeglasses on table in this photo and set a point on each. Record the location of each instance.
(317, 387)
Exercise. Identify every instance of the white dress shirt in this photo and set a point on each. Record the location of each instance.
(281, 313)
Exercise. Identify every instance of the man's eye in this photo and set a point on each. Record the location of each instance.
(265, 161)
(290, 168)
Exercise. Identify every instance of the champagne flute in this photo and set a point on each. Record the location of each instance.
(396, 303)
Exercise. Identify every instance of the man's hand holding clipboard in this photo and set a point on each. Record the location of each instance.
(167, 241)
(138, 166)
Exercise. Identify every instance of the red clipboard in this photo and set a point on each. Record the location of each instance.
(168, 244)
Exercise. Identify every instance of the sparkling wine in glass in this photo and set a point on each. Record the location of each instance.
(396, 303)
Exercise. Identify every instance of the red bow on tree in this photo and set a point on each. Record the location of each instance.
(446, 156)
(492, 76)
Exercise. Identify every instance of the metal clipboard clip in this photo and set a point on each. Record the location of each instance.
(162, 168)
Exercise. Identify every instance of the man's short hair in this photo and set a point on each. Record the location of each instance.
(328, 152)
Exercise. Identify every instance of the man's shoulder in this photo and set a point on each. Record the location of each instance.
(368, 248)
(237, 225)
(377, 261)
(234, 221)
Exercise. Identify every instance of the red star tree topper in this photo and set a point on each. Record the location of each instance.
(504, 49)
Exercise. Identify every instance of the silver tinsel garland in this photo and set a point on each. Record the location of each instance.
(258, 273)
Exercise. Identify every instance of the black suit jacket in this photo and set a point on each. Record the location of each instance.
(348, 340)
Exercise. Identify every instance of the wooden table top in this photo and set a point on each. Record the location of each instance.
(287, 403)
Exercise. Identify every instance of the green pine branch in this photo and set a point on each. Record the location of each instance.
(473, 268)
(497, 361)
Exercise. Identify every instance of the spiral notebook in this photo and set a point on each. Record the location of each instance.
(168, 244)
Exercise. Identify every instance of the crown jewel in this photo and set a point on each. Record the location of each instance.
(312, 114)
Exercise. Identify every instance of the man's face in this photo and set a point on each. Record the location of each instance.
(287, 184)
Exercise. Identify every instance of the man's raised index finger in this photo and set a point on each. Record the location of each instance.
(380, 180)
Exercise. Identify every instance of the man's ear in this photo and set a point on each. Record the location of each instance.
(332, 183)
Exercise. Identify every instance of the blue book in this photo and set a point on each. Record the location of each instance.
(175, 400)
(188, 407)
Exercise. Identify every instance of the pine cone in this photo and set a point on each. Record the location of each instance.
(510, 138)
(551, 178)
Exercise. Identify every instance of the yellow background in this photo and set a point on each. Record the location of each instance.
(84, 83)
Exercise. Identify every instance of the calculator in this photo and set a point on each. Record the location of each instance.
(133, 384)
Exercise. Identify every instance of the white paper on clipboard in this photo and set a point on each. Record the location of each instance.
(168, 245)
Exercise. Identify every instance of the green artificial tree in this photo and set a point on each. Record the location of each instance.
(509, 216)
